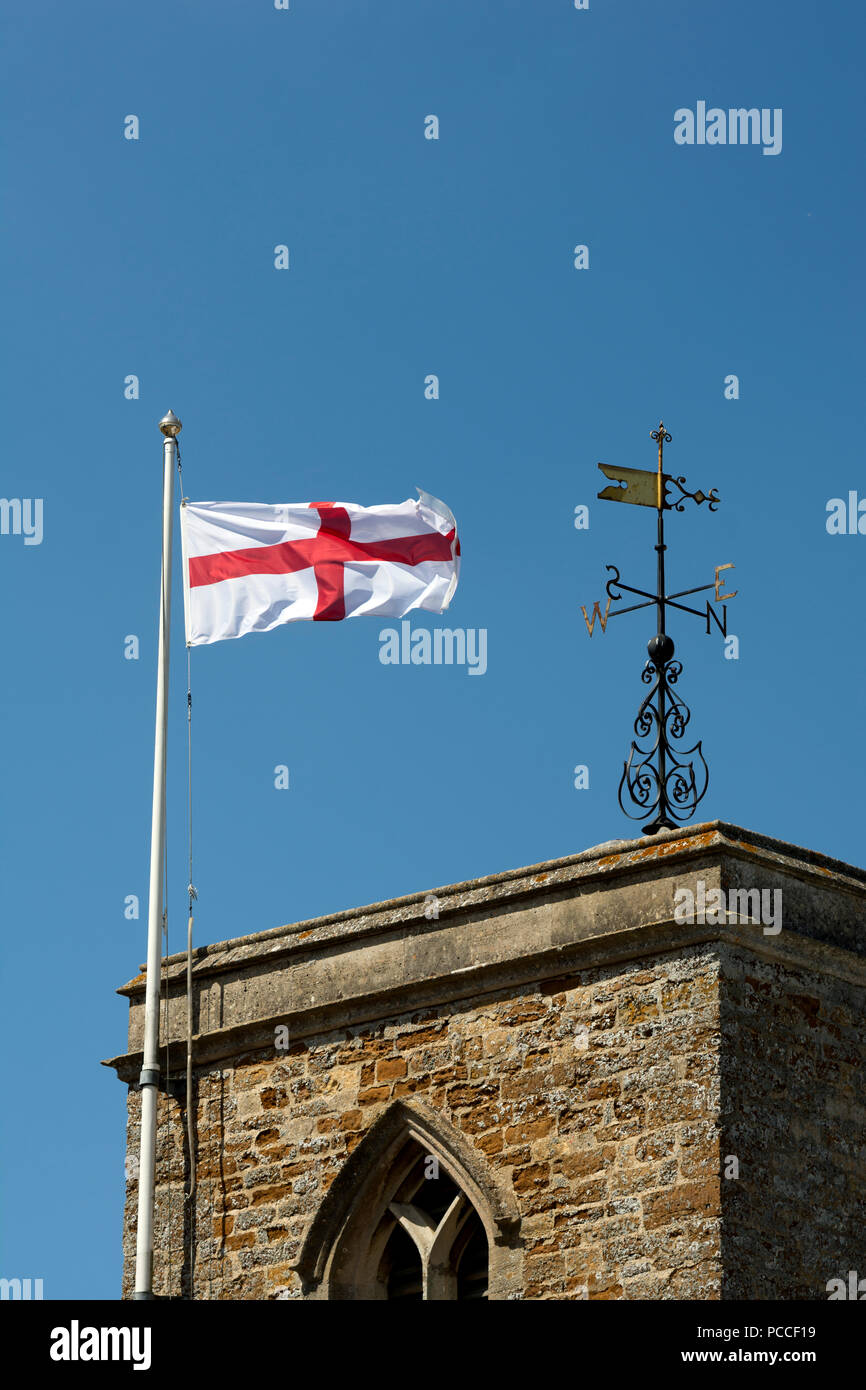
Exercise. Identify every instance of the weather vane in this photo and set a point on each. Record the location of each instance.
(660, 780)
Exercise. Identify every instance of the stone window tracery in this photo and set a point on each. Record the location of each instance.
(413, 1215)
(435, 1244)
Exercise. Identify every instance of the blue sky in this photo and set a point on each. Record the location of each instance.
(408, 257)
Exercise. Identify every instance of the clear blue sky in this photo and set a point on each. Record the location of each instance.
(408, 257)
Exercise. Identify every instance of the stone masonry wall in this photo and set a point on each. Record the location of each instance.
(595, 1096)
(794, 1115)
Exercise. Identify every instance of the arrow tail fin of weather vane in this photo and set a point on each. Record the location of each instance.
(640, 487)
(663, 780)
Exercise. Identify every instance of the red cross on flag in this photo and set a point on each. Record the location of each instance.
(249, 566)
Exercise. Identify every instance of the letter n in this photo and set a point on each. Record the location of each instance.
(713, 615)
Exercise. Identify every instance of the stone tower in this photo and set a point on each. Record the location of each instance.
(545, 1084)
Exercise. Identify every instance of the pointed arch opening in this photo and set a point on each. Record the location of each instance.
(413, 1215)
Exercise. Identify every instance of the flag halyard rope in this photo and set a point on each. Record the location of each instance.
(192, 896)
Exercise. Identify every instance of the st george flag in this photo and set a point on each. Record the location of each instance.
(249, 566)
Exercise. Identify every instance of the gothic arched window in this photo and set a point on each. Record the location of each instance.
(412, 1216)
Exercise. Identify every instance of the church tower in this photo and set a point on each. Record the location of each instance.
(633, 1073)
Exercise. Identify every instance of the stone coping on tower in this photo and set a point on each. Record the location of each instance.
(609, 903)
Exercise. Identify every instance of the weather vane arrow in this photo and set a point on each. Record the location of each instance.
(664, 780)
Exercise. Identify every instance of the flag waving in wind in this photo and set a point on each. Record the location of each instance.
(249, 567)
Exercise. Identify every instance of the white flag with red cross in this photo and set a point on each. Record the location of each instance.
(249, 566)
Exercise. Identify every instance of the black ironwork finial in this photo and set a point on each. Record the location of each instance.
(664, 780)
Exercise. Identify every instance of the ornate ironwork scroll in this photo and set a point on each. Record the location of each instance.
(663, 778)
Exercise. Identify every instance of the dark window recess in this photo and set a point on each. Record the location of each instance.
(472, 1268)
(403, 1263)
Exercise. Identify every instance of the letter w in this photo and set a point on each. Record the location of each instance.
(596, 613)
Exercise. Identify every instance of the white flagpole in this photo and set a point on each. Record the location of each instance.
(149, 1080)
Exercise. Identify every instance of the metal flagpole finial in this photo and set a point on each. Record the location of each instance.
(170, 425)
